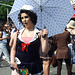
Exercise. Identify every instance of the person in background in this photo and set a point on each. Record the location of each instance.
(11, 30)
(6, 28)
(1, 29)
(3, 45)
(14, 29)
(6, 25)
(47, 58)
(27, 42)
(71, 28)
(62, 40)
(11, 36)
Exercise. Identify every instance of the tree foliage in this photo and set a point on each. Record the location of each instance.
(3, 9)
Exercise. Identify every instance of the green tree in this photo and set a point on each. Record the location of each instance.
(3, 9)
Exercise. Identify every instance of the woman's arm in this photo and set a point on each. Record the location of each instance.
(1, 37)
(13, 51)
(11, 40)
(44, 41)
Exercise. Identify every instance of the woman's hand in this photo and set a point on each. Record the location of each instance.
(14, 65)
(44, 41)
(45, 33)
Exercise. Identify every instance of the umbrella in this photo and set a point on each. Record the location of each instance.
(54, 14)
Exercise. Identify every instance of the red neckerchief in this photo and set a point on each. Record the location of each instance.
(25, 45)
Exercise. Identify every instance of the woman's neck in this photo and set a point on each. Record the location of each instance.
(30, 29)
(28, 32)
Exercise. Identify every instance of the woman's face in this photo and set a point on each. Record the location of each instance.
(26, 20)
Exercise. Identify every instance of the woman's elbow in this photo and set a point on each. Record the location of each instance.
(45, 51)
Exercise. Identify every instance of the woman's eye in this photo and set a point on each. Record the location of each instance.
(21, 17)
(26, 16)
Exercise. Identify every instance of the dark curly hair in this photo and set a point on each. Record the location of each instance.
(31, 14)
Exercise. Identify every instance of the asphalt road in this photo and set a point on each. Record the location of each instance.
(5, 69)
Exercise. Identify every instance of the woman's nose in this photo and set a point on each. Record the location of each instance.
(25, 19)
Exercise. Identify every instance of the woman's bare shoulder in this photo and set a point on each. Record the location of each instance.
(14, 34)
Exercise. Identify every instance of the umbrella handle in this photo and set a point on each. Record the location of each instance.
(43, 36)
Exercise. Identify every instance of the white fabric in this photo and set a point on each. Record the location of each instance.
(28, 7)
(34, 37)
(71, 24)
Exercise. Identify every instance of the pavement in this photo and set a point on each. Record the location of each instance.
(53, 70)
(5, 69)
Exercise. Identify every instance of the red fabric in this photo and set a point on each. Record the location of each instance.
(24, 45)
(73, 16)
(74, 8)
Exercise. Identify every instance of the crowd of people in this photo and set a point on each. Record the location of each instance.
(31, 49)
(6, 31)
